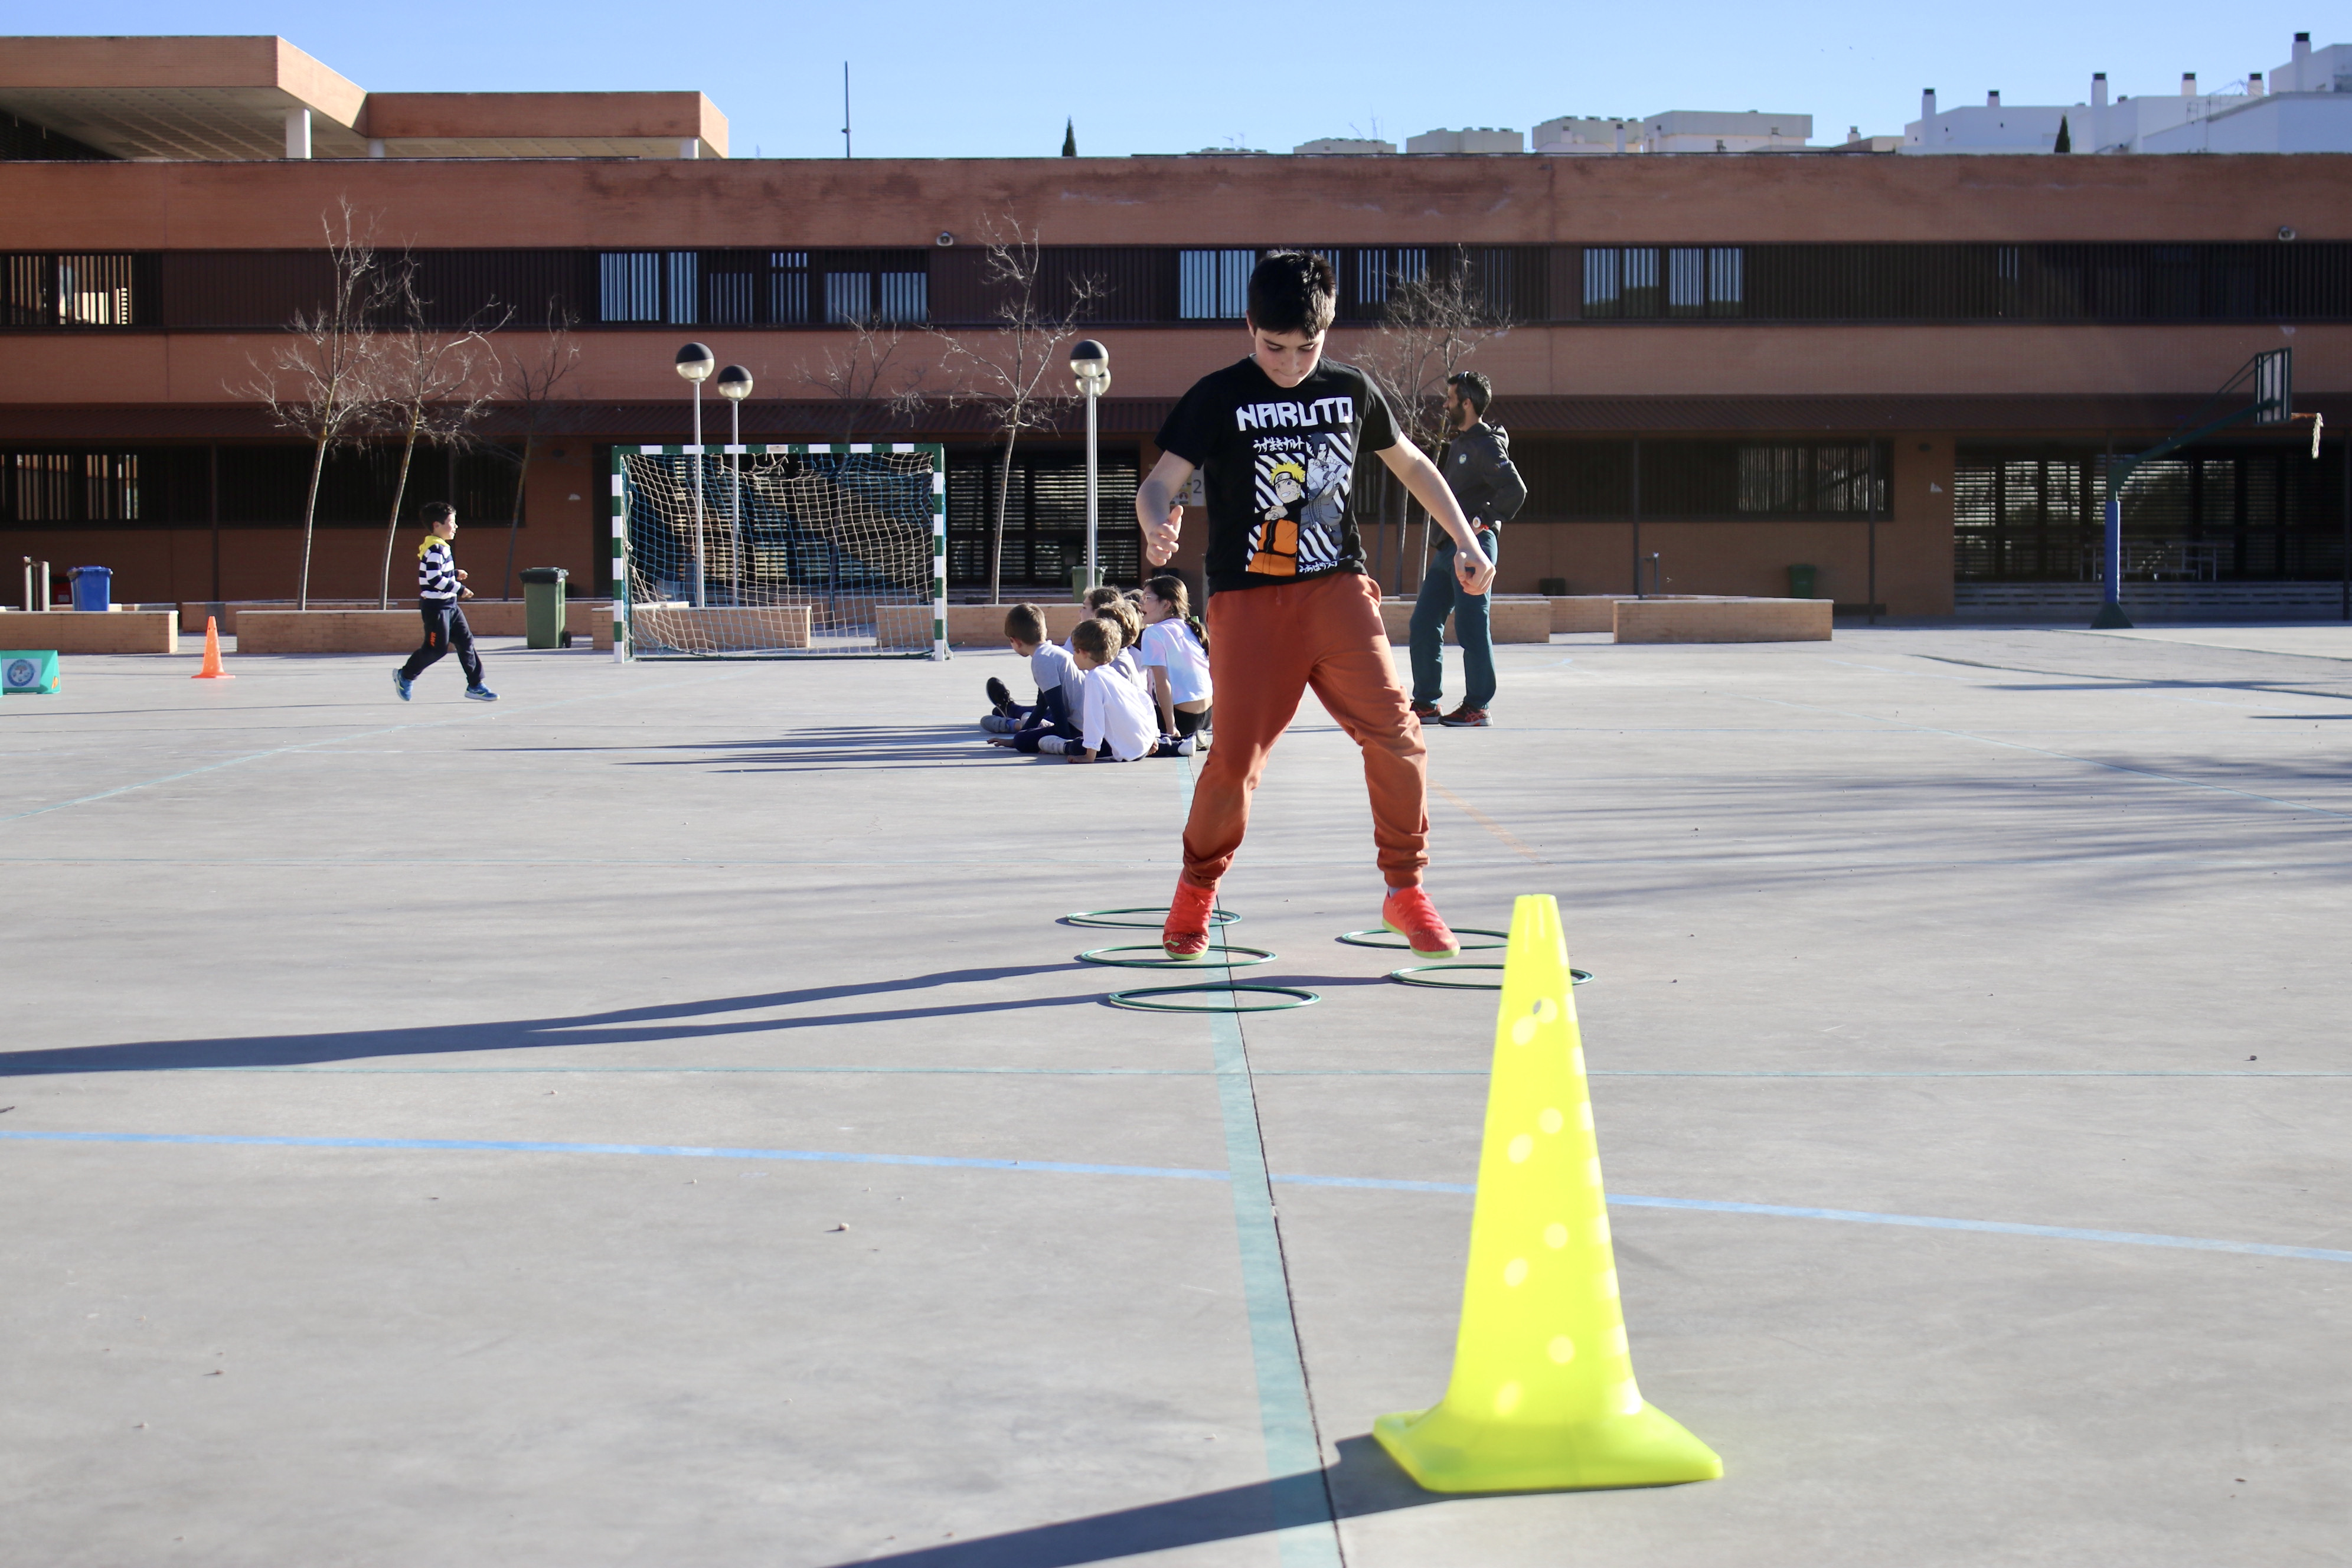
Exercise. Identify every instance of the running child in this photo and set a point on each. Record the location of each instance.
(1277, 438)
(439, 586)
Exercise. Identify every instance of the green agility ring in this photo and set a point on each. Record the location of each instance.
(1413, 975)
(1254, 956)
(1152, 998)
(1102, 917)
(1396, 943)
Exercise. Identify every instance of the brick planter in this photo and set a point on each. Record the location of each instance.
(89, 631)
(1723, 620)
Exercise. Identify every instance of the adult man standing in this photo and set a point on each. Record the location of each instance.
(1477, 467)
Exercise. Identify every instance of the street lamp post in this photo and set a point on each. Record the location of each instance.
(1090, 363)
(735, 386)
(696, 361)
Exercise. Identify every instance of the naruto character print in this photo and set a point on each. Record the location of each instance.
(1303, 476)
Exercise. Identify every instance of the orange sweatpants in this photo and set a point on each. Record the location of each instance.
(1266, 648)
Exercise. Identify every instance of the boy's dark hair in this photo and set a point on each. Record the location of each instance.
(1126, 618)
(1025, 623)
(1293, 291)
(1475, 389)
(437, 511)
(1093, 638)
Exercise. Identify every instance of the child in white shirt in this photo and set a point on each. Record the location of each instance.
(1114, 717)
(1175, 655)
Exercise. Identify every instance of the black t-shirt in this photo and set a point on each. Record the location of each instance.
(1278, 465)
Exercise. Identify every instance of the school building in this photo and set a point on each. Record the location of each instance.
(1899, 371)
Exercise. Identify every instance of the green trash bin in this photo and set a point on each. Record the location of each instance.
(1081, 583)
(542, 606)
(1800, 581)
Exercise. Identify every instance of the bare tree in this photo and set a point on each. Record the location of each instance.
(1011, 373)
(532, 381)
(433, 385)
(321, 383)
(1435, 320)
(860, 380)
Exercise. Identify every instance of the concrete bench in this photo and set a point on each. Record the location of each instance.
(724, 630)
(982, 625)
(1722, 620)
(89, 631)
(1511, 618)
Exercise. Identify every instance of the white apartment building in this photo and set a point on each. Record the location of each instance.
(2307, 109)
(1677, 130)
(1485, 138)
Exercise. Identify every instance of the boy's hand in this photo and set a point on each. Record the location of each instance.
(461, 577)
(1079, 757)
(1159, 538)
(1471, 566)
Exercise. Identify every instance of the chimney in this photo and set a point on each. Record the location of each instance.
(1927, 103)
(1621, 147)
(2254, 84)
(1992, 98)
(2187, 84)
(2302, 57)
(2098, 89)
(298, 134)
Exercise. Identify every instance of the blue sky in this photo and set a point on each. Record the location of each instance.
(934, 80)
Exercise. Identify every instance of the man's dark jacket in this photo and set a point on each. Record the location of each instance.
(1478, 470)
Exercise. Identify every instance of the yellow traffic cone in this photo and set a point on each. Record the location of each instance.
(1543, 1396)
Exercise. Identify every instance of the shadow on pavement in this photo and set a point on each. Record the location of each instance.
(1364, 1481)
(674, 1021)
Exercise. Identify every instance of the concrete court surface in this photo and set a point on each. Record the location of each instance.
(394, 1033)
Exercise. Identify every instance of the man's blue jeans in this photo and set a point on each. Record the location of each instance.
(1440, 594)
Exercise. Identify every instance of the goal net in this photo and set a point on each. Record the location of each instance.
(769, 552)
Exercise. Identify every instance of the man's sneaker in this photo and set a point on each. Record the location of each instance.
(1408, 912)
(996, 723)
(1186, 935)
(1000, 696)
(1465, 718)
(1425, 711)
(481, 694)
(400, 683)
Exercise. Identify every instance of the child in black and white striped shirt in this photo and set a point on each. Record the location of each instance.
(439, 586)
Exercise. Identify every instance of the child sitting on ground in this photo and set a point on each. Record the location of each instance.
(1127, 624)
(1049, 665)
(1114, 717)
(1175, 655)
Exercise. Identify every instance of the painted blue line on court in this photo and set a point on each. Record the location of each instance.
(513, 712)
(1178, 1173)
(1991, 1226)
(667, 1151)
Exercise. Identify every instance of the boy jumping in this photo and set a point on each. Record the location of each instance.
(439, 586)
(1277, 438)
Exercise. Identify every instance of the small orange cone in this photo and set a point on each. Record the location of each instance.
(212, 670)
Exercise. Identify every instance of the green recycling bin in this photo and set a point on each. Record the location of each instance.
(542, 606)
(1800, 581)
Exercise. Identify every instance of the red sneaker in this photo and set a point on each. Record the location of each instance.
(1465, 718)
(1425, 711)
(1186, 935)
(1408, 912)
